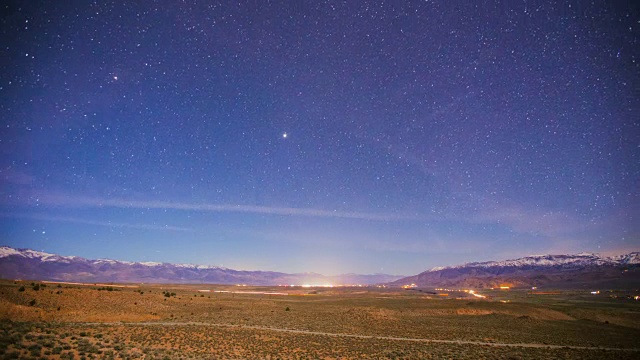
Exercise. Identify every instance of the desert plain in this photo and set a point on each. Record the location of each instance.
(158, 321)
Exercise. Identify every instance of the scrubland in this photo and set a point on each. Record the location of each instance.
(64, 321)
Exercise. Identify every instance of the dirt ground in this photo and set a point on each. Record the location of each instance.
(209, 321)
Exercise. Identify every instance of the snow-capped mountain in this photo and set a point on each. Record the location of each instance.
(583, 269)
(580, 270)
(32, 254)
(36, 265)
(582, 259)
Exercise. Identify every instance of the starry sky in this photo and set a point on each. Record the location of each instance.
(320, 136)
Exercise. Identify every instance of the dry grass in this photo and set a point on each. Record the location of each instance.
(59, 321)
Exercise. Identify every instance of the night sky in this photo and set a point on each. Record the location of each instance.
(322, 136)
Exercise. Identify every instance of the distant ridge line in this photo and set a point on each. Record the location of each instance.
(581, 270)
(38, 265)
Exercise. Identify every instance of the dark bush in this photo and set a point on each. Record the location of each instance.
(35, 349)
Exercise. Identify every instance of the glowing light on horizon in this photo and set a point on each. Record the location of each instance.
(476, 295)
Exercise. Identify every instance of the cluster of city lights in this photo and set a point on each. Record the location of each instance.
(325, 285)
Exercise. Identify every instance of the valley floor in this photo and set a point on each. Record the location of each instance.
(163, 321)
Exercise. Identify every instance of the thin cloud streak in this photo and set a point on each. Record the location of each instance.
(519, 219)
(255, 209)
(98, 223)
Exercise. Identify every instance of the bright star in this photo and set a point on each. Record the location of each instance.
(284, 135)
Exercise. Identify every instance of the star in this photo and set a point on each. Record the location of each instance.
(284, 135)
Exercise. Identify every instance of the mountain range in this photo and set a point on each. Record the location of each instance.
(37, 265)
(561, 271)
